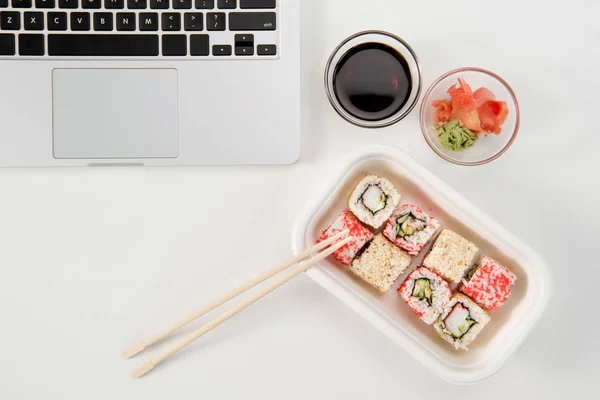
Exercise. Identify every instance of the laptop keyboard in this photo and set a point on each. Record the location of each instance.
(139, 28)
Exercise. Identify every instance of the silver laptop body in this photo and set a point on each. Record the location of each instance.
(149, 82)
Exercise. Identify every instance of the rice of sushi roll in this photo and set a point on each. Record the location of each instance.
(411, 229)
(380, 263)
(360, 236)
(426, 293)
(451, 256)
(374, 200)
(461, 321)
(489, 284)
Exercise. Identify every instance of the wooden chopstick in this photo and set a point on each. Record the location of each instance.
(145, 343)
(148, 366)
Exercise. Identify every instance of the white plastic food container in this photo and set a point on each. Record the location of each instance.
(509, 326)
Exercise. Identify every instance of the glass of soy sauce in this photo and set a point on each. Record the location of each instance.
(373, 79)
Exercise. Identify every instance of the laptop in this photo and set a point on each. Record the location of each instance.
(149, 82)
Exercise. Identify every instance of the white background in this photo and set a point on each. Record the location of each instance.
(94, 259)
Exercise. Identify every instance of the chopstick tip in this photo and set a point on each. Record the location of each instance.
(142, 370)
(132, 351)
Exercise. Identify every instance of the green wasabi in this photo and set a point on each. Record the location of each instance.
(455, 137)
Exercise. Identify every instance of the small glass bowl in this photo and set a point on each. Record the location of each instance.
(488, 147)
(368, 37)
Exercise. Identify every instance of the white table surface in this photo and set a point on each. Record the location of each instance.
(94, 259)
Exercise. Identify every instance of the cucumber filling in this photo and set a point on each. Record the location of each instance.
(408, 224)
(422, 290)
(374, 199)
(459, 321)
(471, 273)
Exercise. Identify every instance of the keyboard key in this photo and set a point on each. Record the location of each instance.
(252, 21)
(91, 4)
(103, 21)
(182, 4)
(125, 21)
(171, 21)
(221, 50)
(31, 44)
(174, 45)
(102, 45)
(244, 50)
(266, 50)
(159, 4)
(215, 21)
(3, 4)
(148, 21)
(114, 4)
(244, 44)
(45, 3)
(21, 3)
(33, 21)
(7, 44)
(80, 21)
(57, 21)
(10, 20)
(68, 3)
(227, 4)
(245, 39)
(199, 45)
(205, 4)
(137, 4)
(192, 21)
(257, 3)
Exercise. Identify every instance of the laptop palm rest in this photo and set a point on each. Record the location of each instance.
(115, 113)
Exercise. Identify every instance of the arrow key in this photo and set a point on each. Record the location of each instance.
(244, 50)
(267, 50)
(245, 39)
(221, 50)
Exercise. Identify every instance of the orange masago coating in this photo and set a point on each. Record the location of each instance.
(360, 236)
(490, 284)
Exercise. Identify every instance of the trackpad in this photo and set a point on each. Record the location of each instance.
(115, 113)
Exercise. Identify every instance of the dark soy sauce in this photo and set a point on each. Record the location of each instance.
(372, 81)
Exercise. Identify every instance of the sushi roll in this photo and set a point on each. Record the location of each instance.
(451, 256)
(411, 229)
(489, 284)
(360, 236)
(380, 263)
(426, 293)
(461, 320)
(374, 200)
